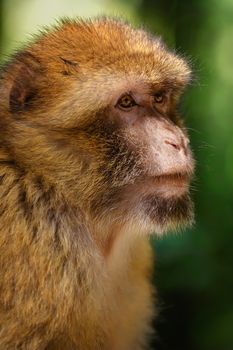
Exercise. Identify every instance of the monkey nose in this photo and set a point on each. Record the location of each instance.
(178, 143)
(174, 144)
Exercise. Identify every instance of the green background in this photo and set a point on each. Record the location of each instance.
(194, 270)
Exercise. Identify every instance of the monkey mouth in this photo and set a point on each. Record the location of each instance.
(173, 177)
(171, 184)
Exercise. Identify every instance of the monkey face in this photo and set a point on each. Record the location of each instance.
(148, 159)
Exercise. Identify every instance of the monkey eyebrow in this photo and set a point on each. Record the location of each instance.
(71, 63)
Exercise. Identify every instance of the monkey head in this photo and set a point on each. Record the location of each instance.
(93, 108)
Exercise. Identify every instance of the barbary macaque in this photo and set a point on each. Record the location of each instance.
(94, 158)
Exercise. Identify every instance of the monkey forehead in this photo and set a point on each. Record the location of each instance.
(154, 67)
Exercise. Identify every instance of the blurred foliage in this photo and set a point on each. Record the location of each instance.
(194, 270)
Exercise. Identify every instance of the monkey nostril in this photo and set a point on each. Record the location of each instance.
(173, 144)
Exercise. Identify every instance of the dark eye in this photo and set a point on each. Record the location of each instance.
(159, 97)
(126, 102)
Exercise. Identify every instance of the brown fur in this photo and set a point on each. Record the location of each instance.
(74, 255)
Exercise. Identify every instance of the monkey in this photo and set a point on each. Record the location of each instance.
(94, 159)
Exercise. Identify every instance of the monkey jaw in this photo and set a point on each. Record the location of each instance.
(157, 215)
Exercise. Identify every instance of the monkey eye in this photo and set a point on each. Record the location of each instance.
(159, 97)
(126, 102)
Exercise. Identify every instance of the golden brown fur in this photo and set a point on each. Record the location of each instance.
(74, 255)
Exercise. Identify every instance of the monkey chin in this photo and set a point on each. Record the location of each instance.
(166, 214)
(167, 204)
(169, 211)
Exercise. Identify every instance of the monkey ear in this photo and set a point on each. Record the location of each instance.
(25, 76)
